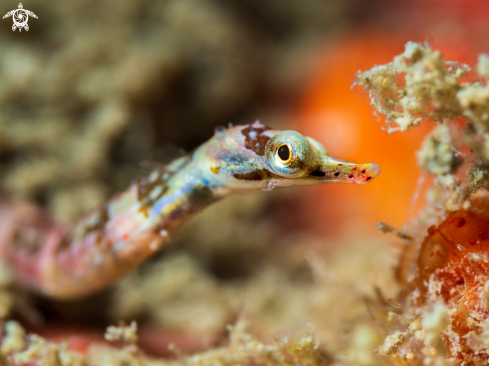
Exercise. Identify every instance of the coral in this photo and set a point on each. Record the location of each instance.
(438, 155)
(418, 85)
(444, 268)
(123, 333)
(392, 343)
(241, 349)
(453, 262)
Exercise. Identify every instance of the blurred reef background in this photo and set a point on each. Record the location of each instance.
(95, 93)
(95, 88)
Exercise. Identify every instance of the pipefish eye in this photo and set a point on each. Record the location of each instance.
(287, 153)
(284, 153)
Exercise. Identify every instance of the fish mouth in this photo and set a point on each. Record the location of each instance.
(336, 170)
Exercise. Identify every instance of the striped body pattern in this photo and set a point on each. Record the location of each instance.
(76, 260)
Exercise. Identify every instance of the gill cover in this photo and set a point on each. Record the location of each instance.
(287, 153)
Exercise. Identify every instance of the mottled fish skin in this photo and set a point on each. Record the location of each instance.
(73, 261)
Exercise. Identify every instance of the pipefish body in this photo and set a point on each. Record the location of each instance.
(76, 260)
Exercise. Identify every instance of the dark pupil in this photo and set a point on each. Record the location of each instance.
(284, 152)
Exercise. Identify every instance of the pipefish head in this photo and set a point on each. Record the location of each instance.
(255, 156)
